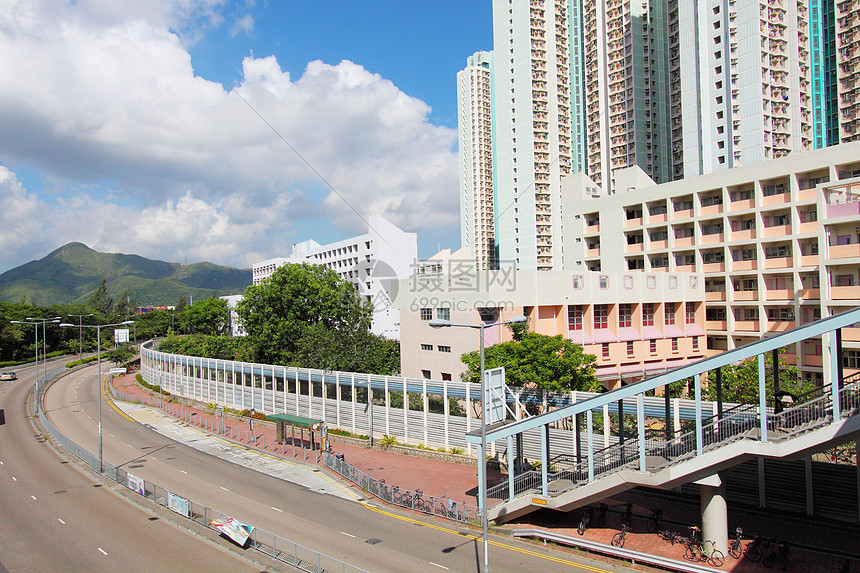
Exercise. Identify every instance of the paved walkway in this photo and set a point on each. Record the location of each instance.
(459, 482)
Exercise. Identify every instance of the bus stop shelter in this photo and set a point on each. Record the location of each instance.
(313, 426)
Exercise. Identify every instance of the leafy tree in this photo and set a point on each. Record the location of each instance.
(101, 303)
(153, 324)
(126, 305)
(548, 362)
(120, 355)
(740, 381)
(208, 316)
(304, 313)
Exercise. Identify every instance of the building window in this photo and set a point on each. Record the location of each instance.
(574, 317)
(695, 343)
(674, 345)
(629, 348)
(601, 316)
(669, 313)
(577, 282)
(426, 313)
(444, 348)
(653, 346)
(625, 315)
(691, 313)
(425, 374)
(628, 282)
(648, 314)
(443, 313)
(604, 282)
(851, 359)
(606, 350)
(426, 347)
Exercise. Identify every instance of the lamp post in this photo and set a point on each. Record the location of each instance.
(98, 328)
(80, 318)
(482, 487)
(36, 322)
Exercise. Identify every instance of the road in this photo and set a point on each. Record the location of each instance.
(367, 536)
(53, 517)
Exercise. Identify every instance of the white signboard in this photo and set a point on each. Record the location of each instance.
(494, 395)
(117, 371)
(178, 504)
(136, 484)
(234, 529)
(120, 335)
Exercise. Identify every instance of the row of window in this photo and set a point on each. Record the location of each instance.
(440, 348)
(652, 347)
(625, 314)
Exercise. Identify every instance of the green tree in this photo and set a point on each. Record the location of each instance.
(208, 316)
(120, 355)
(101, 303)
(548, 362)
(304, 313)
(740, 381)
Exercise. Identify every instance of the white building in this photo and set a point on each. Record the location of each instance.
(236, 328)
(373, 262)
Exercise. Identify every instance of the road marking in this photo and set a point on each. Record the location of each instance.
(103, 552)
(33, 497)
(14, 478)
(347, 534)
(224, 488)
(183, 471)
(61, 521)
(276, 509)
(439, 566)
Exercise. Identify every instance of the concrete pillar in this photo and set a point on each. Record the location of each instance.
(715, 518)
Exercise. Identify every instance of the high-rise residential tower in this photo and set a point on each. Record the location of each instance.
(847, 40)
(532, 134)
(474, 106)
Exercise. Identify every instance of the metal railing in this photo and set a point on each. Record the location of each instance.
(284, 550)
(443, 507)
(813, 410)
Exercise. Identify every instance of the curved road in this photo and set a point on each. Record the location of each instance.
(56, 518)
(373, 538)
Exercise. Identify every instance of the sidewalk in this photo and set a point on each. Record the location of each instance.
(459, 482)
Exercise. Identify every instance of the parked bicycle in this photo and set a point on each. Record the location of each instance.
(699, 550)
(585, 520)
(755, 548)
(619, 538)
(627, 516)
(778, 556)
(655, 521)
(670, 536)
(736, 549)
(600, 520)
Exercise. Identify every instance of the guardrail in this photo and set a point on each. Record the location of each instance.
(284, 550)
(443, 507)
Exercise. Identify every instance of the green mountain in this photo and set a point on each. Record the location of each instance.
(74, 271)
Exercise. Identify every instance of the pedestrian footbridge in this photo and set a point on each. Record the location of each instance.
(793, 426)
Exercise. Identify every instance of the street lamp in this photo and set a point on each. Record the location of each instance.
(98, 328)
(80, 318)
(35, 322)
(482, 487)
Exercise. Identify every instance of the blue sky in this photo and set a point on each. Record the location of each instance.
(155, 127)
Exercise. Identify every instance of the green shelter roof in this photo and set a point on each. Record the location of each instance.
(294, 420)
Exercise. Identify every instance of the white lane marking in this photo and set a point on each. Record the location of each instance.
(224, 488)
(61, 521)
(33, 497)
(347, 534)
(102, 551)
(1, 463)
(439, 566)
(183, 471)
(276, 509)
(14, 478)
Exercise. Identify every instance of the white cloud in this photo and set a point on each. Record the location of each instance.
(102, 91)
(244, 25)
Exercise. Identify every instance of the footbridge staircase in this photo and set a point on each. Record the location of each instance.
(792, 427)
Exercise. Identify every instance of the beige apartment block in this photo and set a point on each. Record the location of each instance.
(777, 242)
(635, 324)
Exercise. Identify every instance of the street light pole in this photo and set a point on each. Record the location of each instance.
(482, 487)
(98, 328)
(35, 322)
(80, 318)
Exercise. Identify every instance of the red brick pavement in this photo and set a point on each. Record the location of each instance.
(459, 482)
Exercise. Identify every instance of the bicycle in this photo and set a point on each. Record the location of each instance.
(778, 556)
(655, 521)
(754, 550)
(627, 516)
(736, 549)
(586, 519)
(619, 538)
(669, 536)
(696, 550)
